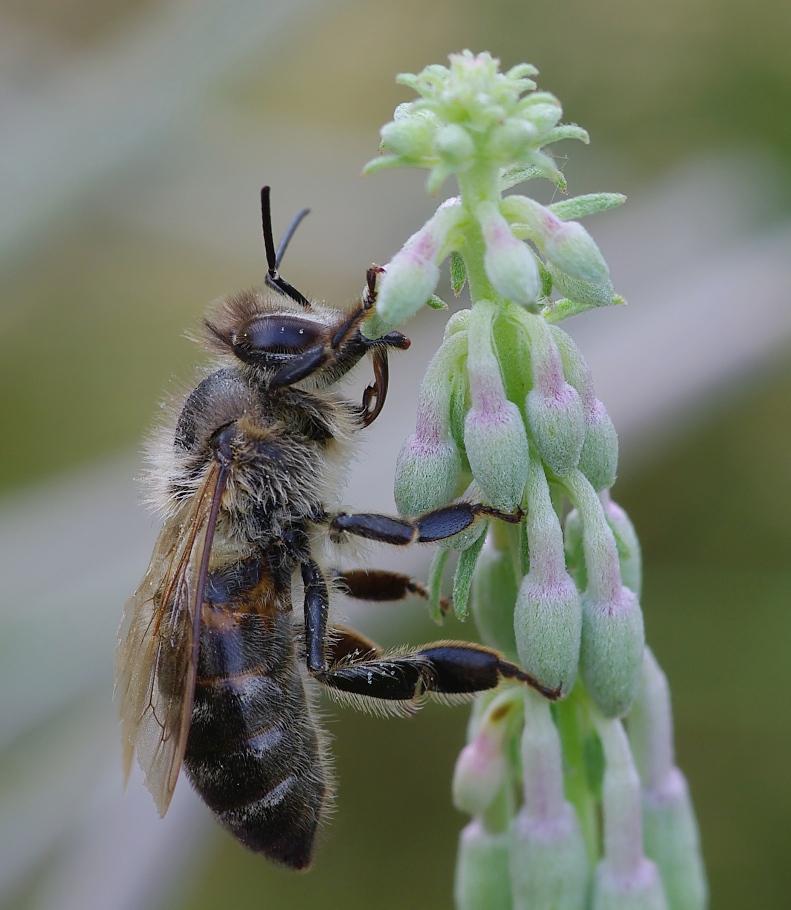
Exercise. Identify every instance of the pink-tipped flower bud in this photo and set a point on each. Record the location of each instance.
(427, 474)
(494, 433)
(429, 465)
(548, 613)
(599, 454)
(548, 625)
(639, 889)
(565, 244)
(553, 406)
(670, 830)
(496, 446)
(482, 881)
(411, 276)
(627, 542)
(549, 867)
(613, 637)
(557, 426)
(482, 766)
(494, 592)
(611, 654)
(625, 879)
(509, 263)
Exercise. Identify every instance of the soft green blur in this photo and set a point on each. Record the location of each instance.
(91, 332)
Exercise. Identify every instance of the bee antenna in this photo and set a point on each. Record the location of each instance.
(273, 258)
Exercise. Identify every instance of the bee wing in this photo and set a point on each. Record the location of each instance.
(157, 653)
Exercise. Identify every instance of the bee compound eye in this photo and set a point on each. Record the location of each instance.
(277, 334)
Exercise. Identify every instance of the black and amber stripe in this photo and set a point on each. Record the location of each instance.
(254, 748)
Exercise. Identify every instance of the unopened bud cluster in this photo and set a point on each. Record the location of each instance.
(508, 416)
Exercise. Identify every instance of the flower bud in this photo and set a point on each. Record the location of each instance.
(509, 263)
(453, 143)
(670, 829)
(482, 766)
(624, 879)
(497, 450)
(470, 536)
(482, 881)
(494, 433)
(672, 841)
(494, 592)
(549, 867)
(509, 141)
(548, 624)
(411, 276)
(599, 454)
(429, 464)
(611, 653)
(572, 249)
(626, 540)
(641, 889)
(548, 614)
(427, 474)
(557, 426)
(542, 110)
(590, 293)
(480, 772)
(410, 138)
(565, 244)
(613, 637)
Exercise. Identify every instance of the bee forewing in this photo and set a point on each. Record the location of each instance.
(155, 657)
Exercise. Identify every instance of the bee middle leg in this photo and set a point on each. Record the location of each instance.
(380, 585)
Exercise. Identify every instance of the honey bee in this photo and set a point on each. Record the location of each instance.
(215, 671)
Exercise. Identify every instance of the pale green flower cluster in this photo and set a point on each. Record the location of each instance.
(568, 811)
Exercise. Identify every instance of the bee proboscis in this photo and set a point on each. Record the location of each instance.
(214, 669)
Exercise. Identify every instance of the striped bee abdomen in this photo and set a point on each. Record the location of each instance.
(253, 752)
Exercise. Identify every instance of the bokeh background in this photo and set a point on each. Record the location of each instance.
(134, 139)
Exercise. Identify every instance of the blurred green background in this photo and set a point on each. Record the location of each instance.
(136, 138)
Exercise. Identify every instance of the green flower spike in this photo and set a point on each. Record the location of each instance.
(508, 404)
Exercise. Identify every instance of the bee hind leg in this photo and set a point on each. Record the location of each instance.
(357, 667)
